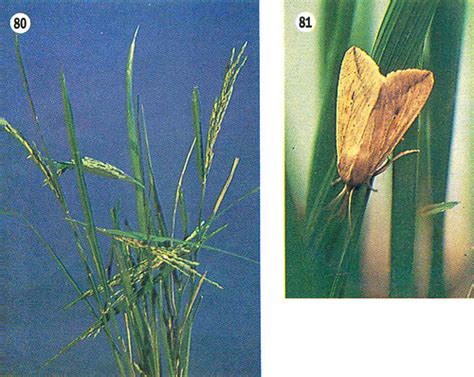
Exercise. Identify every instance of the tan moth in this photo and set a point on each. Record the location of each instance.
(373, 114)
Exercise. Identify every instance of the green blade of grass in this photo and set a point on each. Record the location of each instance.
(123, 262)
(294, 251)
(362, 25)
(151, 179)
(435, 209)
(52, 179)
(24, 78)
(50, 173)
(335, 33)
(198, 134)
(76, 157)
(55, 256)
(164, 330)
(183, 213)
(88, 216)
(445, 42)
(93, 166)
(35, 155)
(133, 139)
(179, 186)
(401, 36)
(399, 45)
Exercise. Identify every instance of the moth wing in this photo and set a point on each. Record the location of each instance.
(400, 100)
(359, 84)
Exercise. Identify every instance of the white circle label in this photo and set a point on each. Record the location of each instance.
(305, 22)
(20, 23)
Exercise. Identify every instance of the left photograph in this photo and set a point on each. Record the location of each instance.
(129, 198)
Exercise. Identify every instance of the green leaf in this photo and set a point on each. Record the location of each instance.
(93, 166)
(444, 56)
(399, 45)
(134, 145)
(314, 277)
(198, 134)
(85, 201)
(437, 208)
(151, 179)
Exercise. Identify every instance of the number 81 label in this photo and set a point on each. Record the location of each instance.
(304, 22)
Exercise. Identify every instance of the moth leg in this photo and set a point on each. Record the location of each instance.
(336, 181)
(371, 188)
(390, 161)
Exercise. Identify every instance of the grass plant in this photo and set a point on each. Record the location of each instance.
(323, 252)
(145, 295)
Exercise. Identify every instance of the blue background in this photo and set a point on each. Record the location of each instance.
(180, 45)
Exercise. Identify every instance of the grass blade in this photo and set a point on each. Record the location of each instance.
(179, 186)
(225, 187)
(93, 166)
(198, 134)
(134, 146)
(334, 42)
(151, 179)
(434, 209)
(88, 216)
(445, 42)
(76, 157)
(24, 78)
(35, 155)
(399, 45)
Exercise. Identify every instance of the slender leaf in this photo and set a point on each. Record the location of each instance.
(133, 139)
(434, 209)
(151, 179)
(335, 37)
(445, 42)
(198, 134)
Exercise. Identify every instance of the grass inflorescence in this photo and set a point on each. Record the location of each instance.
(145, 295)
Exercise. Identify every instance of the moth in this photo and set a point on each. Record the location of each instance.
(373, 114)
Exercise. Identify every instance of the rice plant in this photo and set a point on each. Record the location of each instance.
(324, 254)
(145, 294)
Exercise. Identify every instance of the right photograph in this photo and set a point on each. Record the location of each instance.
(379, 149)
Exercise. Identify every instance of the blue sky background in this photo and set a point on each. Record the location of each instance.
(180, 45)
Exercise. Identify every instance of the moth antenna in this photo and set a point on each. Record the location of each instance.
(404, 153)
(390, 161)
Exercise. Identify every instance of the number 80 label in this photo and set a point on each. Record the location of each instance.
(20, 23)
